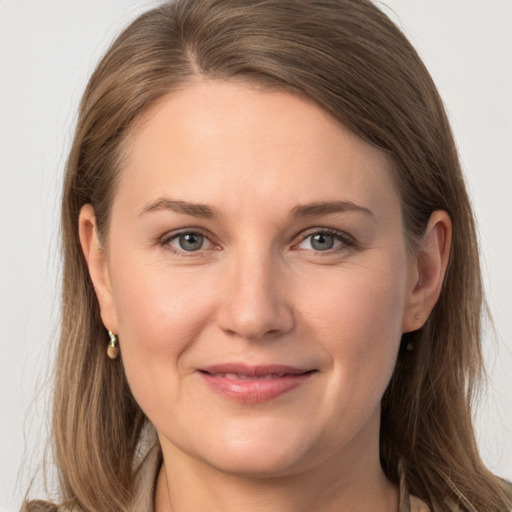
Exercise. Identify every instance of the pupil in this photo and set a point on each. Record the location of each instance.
(191, 242)
(322, 242)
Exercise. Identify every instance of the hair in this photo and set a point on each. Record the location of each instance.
(350, 59)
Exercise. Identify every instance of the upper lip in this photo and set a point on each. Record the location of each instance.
(245, 370)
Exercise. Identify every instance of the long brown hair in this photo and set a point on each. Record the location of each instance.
(350, 59)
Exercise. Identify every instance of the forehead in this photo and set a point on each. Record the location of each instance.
(219, 141)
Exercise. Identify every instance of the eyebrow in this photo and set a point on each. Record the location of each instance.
(205, 211)
(194, 209)
(328, 207)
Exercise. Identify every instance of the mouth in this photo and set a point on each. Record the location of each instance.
(253, 384)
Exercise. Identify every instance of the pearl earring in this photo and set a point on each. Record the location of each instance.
(113, 349)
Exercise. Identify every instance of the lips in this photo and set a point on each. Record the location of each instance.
(253, 384)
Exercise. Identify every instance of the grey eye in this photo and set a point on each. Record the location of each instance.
(190, 241)
(322, 242)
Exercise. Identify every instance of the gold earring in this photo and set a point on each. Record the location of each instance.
(113, 349)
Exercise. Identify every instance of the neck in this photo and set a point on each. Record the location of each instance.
(354, 482)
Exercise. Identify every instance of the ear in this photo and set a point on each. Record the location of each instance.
(97, 263)
(428, 269)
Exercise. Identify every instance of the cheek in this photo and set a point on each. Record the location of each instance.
(357, 316)
(160, 315)
(157, 303)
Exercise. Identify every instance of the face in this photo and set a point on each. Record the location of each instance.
(256, 272)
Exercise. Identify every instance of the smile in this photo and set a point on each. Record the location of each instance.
(253, 384)
(239, 376)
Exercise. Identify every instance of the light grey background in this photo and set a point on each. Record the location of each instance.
(48, 49)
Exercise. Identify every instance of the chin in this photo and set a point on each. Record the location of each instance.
(260, 452)
(257, 463)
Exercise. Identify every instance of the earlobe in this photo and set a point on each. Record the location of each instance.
(96, 260)
(428, 272)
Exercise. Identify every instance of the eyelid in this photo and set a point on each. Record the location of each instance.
(347, 241)
(165, 241)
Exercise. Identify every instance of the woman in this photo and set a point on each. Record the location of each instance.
(267, 231)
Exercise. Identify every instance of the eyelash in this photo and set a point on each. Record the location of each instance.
(168, 238)
(346, 241)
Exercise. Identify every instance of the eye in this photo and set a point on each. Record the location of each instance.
(325, 240)
(322, 241)
(189, 241)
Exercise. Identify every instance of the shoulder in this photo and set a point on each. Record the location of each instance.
(418, 506)
(47, 506)
(146, 469)
(39, 506)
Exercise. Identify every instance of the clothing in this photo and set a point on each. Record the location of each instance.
(145, 481)
(148, 471)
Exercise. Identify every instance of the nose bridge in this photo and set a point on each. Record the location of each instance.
(255, 304)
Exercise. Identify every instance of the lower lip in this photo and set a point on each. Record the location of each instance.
(253, 391)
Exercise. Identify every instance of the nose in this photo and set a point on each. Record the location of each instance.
(254, 306)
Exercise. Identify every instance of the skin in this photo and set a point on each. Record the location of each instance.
(259, 291)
